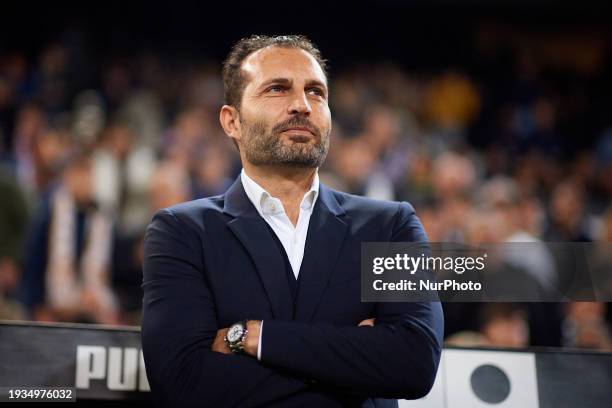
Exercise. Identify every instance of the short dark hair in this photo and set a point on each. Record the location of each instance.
(233, 76)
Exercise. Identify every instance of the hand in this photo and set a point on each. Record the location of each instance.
(219, 345)
(367, 322)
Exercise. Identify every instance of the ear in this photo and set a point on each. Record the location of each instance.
(230, 122)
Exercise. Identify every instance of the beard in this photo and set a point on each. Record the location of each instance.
(264, 146)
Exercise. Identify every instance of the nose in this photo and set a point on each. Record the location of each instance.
(300, 105)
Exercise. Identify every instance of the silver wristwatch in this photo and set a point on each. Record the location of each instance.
(236, 336)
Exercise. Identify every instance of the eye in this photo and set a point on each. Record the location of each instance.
(275, 89)
(316, 91)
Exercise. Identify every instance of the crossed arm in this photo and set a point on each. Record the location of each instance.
(253, 336)
(186, 361)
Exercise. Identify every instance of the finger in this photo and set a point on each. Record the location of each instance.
(367, 322)
(219, 346)
(221, 333)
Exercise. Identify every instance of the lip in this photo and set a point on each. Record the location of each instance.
(299, 129)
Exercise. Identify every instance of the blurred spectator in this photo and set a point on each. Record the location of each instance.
(585, 326)
(212, 170)
(29, 123)
(51, 80)
(13, 222)
(121, 175)
(504, 325)
(169, 186)
(501, 325)
(567, 220)
(66, 267)
(454, 175)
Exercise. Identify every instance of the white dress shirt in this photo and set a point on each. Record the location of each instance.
(293, 238)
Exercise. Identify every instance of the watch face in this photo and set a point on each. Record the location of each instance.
(234, 333)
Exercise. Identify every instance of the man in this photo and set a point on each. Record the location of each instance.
(66, 274)
(277, 258)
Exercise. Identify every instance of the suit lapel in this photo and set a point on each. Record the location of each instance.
(251, 231)
(326, 233)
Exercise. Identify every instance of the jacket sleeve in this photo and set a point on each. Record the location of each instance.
(397, 358)
(179, 325)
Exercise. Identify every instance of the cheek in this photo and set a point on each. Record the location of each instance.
(271, 109)
(255, 123)
(323, 115)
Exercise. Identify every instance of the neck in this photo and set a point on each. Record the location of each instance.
(288, 184)
(282, 182)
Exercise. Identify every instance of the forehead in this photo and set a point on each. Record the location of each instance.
(278, 62)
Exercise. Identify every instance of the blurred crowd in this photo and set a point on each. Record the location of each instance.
(512, 148)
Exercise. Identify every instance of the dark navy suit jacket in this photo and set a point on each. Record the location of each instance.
(212, 262)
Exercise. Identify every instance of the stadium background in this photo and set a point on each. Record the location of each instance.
(493, 121)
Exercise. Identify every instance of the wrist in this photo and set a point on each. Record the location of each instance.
(252, 338)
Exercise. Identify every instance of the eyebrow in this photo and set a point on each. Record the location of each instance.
(287, 81)
(283, 81)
